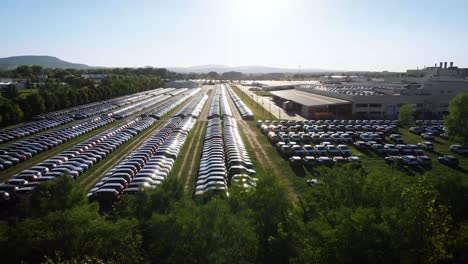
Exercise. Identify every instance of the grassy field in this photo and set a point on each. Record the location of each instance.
(187, 163)
(25, 92)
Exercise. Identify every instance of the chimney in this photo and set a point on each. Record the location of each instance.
(445, 65)
(451, 64)
(440, 64)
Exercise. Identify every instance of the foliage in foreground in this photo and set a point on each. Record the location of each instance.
(352, 216)
(457, 119)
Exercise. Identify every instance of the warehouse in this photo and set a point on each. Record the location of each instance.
(312, 106)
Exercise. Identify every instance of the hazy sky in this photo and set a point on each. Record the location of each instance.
(327, 34)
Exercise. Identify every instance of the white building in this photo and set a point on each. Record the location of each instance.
(429, 90)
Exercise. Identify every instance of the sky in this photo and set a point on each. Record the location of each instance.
(348, 35)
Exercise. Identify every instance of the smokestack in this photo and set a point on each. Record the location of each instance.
(451, 64)
(440, 65)
(445, 65)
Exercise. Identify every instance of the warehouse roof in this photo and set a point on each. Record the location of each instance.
(308, 99)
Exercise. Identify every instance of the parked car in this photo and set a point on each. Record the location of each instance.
(428, 136)
(310, 161)
(416, 130)
(394, 160)
(416, 150)
(424, 161)
(295, 161)
(344, 150)
(410, 160)
(396, 138)
(459, 149)
(379, 149)
(354, 159)
(426, 145)
(448, 160)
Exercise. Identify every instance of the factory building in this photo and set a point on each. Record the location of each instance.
(429, 90)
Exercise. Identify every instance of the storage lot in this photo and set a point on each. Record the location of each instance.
(87, 156)
(139, 142)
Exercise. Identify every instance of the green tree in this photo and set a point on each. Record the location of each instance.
(10, 92)
(11, 113)
(206, 233)
(406, 115)
(457, 119)
(213, 75)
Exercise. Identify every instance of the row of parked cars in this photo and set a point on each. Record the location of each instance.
(142, 168)
(224, 160)
(31, 128)
(161, 110)
(138, 106)
(149, 165)
(212, 171)
(78, 159)
(306, 127)
(194, 107)
(244, 110)
(239, 166)
(83, 110)
(22, 150)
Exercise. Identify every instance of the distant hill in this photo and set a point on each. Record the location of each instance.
(10, 63)
(243, 69)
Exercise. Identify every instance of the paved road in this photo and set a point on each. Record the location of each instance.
(266, 102)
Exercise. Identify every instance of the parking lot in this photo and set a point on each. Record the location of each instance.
(86, 157)
(213, 139)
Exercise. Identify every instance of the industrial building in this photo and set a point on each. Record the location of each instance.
(429, 90)
(310, 105)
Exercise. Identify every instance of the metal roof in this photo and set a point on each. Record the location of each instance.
(308, 99)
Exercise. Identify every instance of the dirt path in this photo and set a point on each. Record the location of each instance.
(192, 170)
(189, 149)
(260, 153)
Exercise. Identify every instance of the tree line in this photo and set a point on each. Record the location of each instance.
(352, 216)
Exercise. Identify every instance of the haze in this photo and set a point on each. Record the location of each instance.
(338, 35)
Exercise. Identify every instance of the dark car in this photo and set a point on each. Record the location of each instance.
(448, 160)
